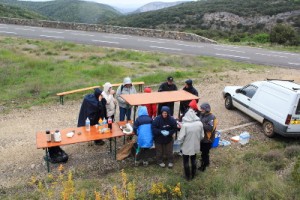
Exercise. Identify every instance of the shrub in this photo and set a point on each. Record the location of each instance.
(262, 38)
(292, 151)
(284, 34)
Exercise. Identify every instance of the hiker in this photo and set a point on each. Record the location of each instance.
(209, 124)
(125, 108)
(143, 130)
(151, 108)
(169, 85)
(111, 102)
(190, 136)
(92, 107)
(163, 127)
(194, 106)
(184, 105)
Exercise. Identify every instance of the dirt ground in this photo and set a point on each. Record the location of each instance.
(20, 159)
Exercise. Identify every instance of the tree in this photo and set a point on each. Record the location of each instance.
(284, 34)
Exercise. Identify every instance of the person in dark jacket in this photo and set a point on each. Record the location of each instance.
(143, 129)
(184, 105)
(92, 107)
(209, 124)
(169, 85)
(163, 128)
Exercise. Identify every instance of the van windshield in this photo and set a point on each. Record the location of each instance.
(298, 108)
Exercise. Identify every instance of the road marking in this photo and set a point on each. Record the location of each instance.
(233, 56)
(52, 32)
(3, 27)
(114, 37)
(51, 36)
(186, 45)
(8, 32)
(83, 34)
(294, 63)
(25, 29)
(151, 41)
(174, 49)
(229, 50)
(270, 55)
(291, 54)
(102, 41)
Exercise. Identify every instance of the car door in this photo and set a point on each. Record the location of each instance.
(242, 98)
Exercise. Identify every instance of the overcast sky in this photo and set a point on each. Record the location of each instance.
(125, 3)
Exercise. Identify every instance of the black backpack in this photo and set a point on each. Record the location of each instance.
(57, 155)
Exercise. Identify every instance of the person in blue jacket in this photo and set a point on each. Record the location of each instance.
(142, 128)
(163, 127)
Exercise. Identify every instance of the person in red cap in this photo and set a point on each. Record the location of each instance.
(193, 105)
(151, 108)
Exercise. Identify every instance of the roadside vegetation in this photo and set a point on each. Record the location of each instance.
(33, 71)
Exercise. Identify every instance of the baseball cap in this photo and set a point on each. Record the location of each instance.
(170, 78)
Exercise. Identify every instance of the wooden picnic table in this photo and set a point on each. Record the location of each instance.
(84, 136)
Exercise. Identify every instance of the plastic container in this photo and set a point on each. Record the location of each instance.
(176, 146)
(57, 136)
(244, 138)
(224, 143)
(216, 140)
(87, 124)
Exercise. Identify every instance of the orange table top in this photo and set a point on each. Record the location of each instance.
(158, 97)
(85, 136)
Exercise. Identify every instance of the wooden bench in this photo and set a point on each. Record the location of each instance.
(62, 94)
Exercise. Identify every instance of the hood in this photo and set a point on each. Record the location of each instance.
(190, 116)
(127, 80)
(193, 105)
(106, 86)
(165, 108)
(142, 111)
(206, 107)
(97, 93)
(189, 82)
(147, 90)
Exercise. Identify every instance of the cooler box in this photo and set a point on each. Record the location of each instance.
(216, 140)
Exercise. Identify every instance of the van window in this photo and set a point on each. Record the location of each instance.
(249, 90)
(298, 108)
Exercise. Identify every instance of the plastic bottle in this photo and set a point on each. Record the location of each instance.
(109, 122)
(100, 122)
(57, 136)
(104, 121)
(87, 124)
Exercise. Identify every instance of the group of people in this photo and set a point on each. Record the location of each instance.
(156, 125)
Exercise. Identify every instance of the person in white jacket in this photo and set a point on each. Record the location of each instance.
(190, 136)
(111, 102)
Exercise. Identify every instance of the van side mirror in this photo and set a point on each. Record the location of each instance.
(238, 91)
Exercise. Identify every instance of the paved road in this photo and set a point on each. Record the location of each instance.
(237, 53)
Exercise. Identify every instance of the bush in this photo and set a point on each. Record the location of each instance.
(261, 38)
(284, 34)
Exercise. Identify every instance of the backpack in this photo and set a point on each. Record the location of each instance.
(57, 155)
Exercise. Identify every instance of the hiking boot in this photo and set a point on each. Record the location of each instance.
(145, 163)
(162, 165)
(170, 165)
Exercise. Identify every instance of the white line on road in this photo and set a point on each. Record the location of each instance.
(3, 27)
(174, 49)
(113, 37)
(52, 32)
(83, 34)
(233, 56)
(151, 41)
(51, 36)
(294, 63)
(8, 32)
(186, 45)
(25, 29)
(230, 50)
(291, 54)
(102, 41)
(270, 55)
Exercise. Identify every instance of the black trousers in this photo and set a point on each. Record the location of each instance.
(204, 148)
(189, 172)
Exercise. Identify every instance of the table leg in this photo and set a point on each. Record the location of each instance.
(61, 98)
(47, 159)
(110, 145)
(115, 148)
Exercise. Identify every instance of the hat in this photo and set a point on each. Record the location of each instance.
(193, 105)
(170, 78)
(97, 92)
(127, 80)
(189, 82)
(147, 90)
(205, 106)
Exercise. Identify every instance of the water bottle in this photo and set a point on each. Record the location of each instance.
(87, 124)
(109, 122)
(104, 122)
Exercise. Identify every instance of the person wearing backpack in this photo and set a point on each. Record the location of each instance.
(209, 124)
(125, 108)
(142, 128)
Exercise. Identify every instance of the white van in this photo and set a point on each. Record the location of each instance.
(274, 103)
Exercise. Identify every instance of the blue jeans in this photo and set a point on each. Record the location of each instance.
(123, 113)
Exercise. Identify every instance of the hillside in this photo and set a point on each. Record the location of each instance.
(15, 12)
(224, 15)
(157, 6)
(69, 10)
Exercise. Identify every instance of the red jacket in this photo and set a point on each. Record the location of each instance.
(151, 108)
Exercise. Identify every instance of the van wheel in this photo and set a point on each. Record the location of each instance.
(228, 102)
(268, 129)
